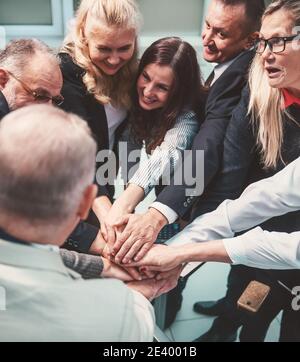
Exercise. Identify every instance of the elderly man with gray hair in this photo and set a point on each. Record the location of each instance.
(46, 188)
(29, 74)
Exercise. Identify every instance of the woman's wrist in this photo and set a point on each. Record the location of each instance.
(101, 206)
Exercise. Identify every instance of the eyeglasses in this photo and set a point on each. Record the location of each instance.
(276, 44)
(39, 97)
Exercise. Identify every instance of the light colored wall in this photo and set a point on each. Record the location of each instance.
(161, 18)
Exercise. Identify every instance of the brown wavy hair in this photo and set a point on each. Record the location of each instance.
(186, 93)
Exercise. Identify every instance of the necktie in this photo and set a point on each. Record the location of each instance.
(210, 79)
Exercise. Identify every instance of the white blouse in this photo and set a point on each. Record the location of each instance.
(115, 116)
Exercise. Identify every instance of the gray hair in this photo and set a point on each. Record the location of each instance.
(18, 54)
(47, 160)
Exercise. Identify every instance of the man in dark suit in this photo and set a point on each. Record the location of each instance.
(230, 29)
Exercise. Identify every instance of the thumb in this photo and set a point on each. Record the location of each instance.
(122, 220)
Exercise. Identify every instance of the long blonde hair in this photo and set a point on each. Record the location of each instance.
(266, 103)
(121, 14)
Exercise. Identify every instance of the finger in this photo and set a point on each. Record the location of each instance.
(153, 268)
(144, 250)
(128, 230)
(124, 249)
(122, 220)
(132, 252)
(149, 273)
(104, 231)
(121, 240)
(111, 237)
(174, 273)
(134, 273)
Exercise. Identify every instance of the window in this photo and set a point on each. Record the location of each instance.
(29, 18)
(41, 16)
(172, 17)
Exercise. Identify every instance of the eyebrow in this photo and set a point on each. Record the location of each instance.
(160, 83)
(218, 29)
(275, 35)
(107, 47)
(42, 91)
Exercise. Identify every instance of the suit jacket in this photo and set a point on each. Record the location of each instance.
(223, 97)
(47, 302)
(79, 101)
(241, 164)
(4, 109)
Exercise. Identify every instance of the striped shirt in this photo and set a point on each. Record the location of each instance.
(164, 158)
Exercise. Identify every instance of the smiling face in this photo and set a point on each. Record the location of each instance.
(222, 35)
(154, 85)
(42, 76)
(110, 48)
(283, 69)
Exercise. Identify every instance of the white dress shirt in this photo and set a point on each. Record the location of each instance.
(115, 116)
(260, 201)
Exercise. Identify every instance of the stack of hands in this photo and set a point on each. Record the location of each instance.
(125, 241)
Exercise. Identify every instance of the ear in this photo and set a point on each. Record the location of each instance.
(87, 201)
(3, 78)
(250, 40)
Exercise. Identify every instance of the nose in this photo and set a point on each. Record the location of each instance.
(267, 55)
(148, 90)
(113, 59)
(207, 36)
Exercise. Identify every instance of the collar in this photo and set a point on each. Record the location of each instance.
(5, 236)
(222, 67)
(289, 99)
(18, 253)
(4, 109)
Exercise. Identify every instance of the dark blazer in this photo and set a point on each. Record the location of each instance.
(78, 101)
(223, 97)
(4, 109)
(241, 163)
(241, 166)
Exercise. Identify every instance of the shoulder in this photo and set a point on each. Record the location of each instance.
(187, 117)
(236, 73)
(111, 294)
(69, 69)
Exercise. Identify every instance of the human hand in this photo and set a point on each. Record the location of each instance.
(159, 258)
(99, 245)
(138, 236)
(112, 270)
(152, 288)
(102, 206)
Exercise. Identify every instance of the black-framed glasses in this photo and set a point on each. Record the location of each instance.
(42, 96)
(276, 44)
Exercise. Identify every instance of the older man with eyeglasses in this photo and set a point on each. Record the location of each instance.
(29, 74)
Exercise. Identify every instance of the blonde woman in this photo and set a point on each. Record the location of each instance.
(98, 63)
(262, 138)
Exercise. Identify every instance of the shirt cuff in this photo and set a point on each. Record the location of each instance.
(168, 213)
(236, 247)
